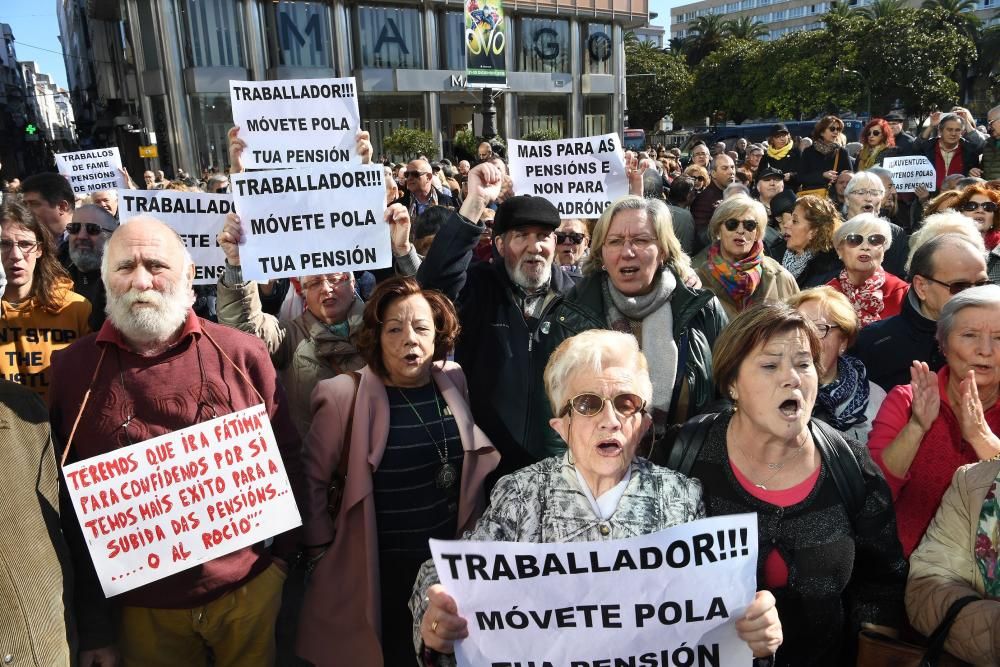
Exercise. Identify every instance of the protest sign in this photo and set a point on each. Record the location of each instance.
(296, 122)
(910, 172)
(669, 598)
(196, 217)
(308, 221)
(92, 171)
(579, 176)
(485, 44)
(167, 504)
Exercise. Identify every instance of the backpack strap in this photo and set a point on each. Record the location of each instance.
(844, 466)
(689, 442)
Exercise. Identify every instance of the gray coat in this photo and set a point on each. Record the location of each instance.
(543, 503)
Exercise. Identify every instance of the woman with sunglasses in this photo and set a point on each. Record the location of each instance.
(825, 159)
(878, 143)
(980, 203)
(41, 313)
(598, 384)
(735, 267)
(927, 429)
(861, 244)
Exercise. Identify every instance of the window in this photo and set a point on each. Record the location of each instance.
(213, 30)
(597, 48)
(544, 45)
(381, 114)
(211, 118)
(452, 31)
(391, 37)
(538, 112)
(299, 34)
(597, 115)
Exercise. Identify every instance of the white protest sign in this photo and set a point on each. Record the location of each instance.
(910, 172)
(296, 122)
(196, 217)
(669, 598)
(307, 221)
(579, 176)
(92, 171)
(167, 504)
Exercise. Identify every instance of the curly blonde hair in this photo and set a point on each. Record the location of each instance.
(821, 213)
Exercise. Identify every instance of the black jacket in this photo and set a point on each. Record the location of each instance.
(972, 147)
(89, 285)
(786, 165)
(443, 200)
(698, 318)
(813, 164)
(888, 347)
(498, 350)
(822, 267)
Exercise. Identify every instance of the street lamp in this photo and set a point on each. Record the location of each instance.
(868, 88)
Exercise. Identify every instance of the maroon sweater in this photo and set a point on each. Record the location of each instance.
(189, 383)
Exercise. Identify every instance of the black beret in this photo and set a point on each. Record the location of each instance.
(524, 211)
(783, 202)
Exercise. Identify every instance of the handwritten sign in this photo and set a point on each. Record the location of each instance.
(910, 172)
(308, 221)
(197, 218)
(669, 598)
(167, 504)
(92, 171)
(581, 177)
(296, 122)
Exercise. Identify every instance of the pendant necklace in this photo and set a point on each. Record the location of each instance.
(776, 467)
(447, 474)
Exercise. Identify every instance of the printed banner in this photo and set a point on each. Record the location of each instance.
(580, 176)
(296, 122)
(670, 598)
(910, 172)
(161, 506)
(197, 218)
(92, 171)
(485, 44)
(303, 222)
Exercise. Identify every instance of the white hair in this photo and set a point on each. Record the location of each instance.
(862, 179)
(984, 296)
(862, 223)
(944, 222)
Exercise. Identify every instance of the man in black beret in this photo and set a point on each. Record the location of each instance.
(500, 307)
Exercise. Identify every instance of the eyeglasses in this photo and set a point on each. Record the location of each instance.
(575, 238)
(331, 280)
(589, 405)
(415, 174)
(868, 193)
(873, 133)
(733, 223)
(855, 240)
(957, 286)
(26, 247)
(92, 228)
(822, 328)
(639, 242)
(987, 206)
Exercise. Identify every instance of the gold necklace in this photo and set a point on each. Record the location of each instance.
(776, 467)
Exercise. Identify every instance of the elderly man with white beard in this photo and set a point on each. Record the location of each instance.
(154, 368)
(91, 228)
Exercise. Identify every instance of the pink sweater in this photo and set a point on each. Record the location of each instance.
(918, 493)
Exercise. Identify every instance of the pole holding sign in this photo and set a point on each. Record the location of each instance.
(485, 44)
(303, 222)
(92, 171)
(669, 598)
(196, 217)
(910, 172)
(296, 122)
(161, 506)
(581, 177)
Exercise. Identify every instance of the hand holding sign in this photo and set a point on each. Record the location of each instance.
(236, 148)
(230, 239)
(760, 627)
(441, 625)
(363, 146)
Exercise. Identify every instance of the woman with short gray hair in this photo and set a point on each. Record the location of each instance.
(926, 429)
(861, 244)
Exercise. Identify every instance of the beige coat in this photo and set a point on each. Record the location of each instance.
(35, 575)
(341, 617)
(776, 284)
(943, 569)
(303, 350)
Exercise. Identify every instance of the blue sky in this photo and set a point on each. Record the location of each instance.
(34, 23)
(662, 7)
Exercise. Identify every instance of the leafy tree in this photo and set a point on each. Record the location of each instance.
(706, 34)
(543, 135)
(721, 88)
(650, 98)
(678, 45)
(748, 27)
(839, 9)
(883, 9)
(408, 143)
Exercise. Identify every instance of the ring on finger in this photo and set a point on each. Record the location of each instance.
(434, 626)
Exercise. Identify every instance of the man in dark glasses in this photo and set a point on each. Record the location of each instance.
(572, 241)
(941, 268)
(88, 233)
(421, 192)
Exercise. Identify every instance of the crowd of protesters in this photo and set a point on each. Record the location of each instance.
(767, 328)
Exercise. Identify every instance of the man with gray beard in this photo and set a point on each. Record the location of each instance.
(155, 368)
(90, 230)
(500, 307)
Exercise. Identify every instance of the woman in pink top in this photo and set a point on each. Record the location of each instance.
(927, 429)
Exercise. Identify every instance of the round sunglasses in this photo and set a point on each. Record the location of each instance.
(733, 223)
(588, 404)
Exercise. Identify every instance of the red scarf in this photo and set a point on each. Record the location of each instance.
(866, 299)
(991, 239)
(956, 167)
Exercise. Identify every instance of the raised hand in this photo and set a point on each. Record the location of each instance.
(484, 183)
(398, 218)
(236, 148)
(926, 395)
(972, 421)
(230, 239)
(363, 146)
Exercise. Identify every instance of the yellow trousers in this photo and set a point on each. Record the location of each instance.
(237, 629)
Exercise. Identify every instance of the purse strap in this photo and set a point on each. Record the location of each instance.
(935, 645)
(346, 458)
